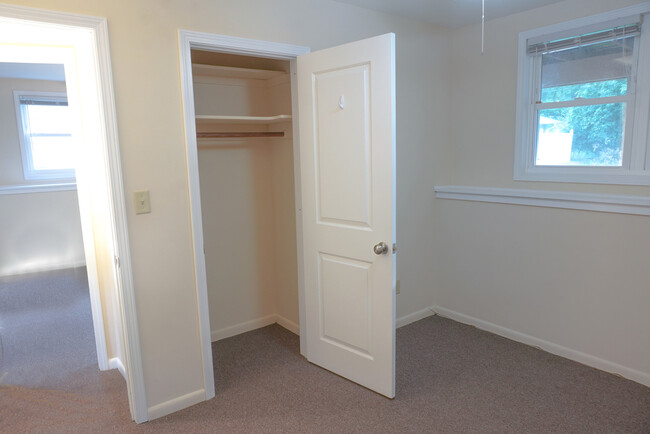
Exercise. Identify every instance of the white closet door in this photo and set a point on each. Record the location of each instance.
(347, 152)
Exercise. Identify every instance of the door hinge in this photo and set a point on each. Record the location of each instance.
(117, 261)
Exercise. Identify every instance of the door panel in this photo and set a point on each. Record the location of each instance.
(345, 300)
(343, 145)
(346, 99)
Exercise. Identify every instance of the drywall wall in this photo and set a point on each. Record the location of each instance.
(40, 231)
(577, 280)
(247, 207)
(237, 207)
(285, 248)
(145, 62)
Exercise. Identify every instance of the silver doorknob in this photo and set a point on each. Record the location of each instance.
(380, 248)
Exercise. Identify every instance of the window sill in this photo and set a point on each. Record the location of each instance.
(36, 188)
(613, 203)
(611, 176)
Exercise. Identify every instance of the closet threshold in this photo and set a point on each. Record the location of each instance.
(222, 135)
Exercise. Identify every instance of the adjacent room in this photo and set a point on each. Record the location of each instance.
(46, 329)
(468, 255)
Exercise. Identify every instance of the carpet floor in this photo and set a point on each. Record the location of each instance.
(46, 327)
(451, 378)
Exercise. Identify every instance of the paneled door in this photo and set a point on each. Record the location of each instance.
(346, 100)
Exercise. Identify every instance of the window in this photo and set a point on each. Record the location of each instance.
(44, 128)
(583, 100)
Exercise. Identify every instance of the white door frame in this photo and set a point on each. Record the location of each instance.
(189, 40)
(91, 38)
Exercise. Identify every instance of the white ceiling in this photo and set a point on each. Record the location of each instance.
(450, 13)
(33, 71)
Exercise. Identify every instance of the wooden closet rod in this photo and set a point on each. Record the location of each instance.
(226, 135)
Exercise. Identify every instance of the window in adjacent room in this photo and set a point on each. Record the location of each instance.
(44, 128)
(583, 101)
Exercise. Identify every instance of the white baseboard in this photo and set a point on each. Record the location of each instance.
(42, 268)
(411, 318)
(244, 327)
(255, 324)
(116, 363)
(288, 324)
(176, 404)
(559, 350)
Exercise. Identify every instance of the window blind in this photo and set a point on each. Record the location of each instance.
(560, 42)
(42, 101)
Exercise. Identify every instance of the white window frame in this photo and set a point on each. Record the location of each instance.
(635, 168)
(29, 173)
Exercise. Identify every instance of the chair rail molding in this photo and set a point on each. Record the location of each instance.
(36, 188)
(612, 203)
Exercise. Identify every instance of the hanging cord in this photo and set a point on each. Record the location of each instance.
(483, 28)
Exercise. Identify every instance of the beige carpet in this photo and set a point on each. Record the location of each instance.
(451, 378)
(46, 327)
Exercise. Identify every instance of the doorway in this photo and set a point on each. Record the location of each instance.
(80, 44)
(46, 327)
(344, 184)
(280, 57)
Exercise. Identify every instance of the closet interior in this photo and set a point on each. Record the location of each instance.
(245, 151)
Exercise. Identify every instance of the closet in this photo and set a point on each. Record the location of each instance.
(245, 155)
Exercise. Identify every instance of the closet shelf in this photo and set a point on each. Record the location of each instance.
(242, 119)
(224, 135)
(229, 71)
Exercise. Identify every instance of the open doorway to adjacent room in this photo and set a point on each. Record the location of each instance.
(74, 50)
(46, 325)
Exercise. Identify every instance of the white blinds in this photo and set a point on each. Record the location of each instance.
(618, 30)
(37, 100)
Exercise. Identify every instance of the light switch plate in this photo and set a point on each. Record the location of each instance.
(141, 200)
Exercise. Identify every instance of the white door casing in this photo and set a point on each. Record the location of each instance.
(347, 163)
(80, 43)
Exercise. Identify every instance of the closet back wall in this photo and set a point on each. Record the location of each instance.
(247, 200)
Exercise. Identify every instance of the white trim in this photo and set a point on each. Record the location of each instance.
(237, 329)
(413, 317)
(288, 324)
(302, 307)
(36, 188)
(633, 171)
(116, 363)
(248, 326)
(41, 268)
(179, 403)
(126, 287)
(97, 31)
(185, 46)
(189, 40)
(550, 347)
(614, 203)
(241, 46)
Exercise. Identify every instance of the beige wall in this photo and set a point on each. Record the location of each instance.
(144, 51)
(40, 231)
(248, 208)
(576, 279)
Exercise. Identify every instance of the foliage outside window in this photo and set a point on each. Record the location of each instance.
(578, 102)
(45, 131)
